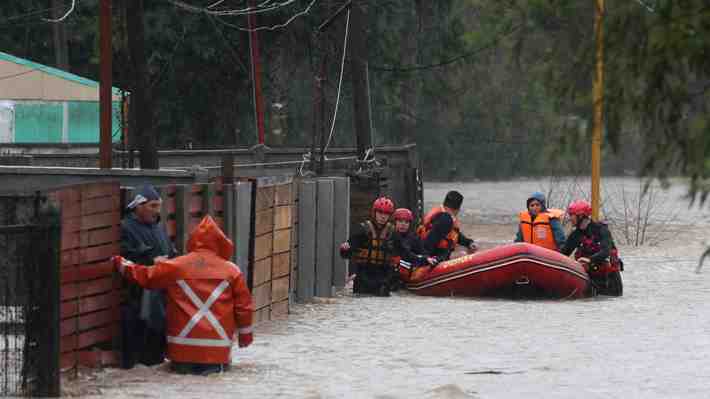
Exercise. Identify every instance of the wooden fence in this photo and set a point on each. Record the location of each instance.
(273, 234)
(90, 293)
(323, 223)
(286, 235)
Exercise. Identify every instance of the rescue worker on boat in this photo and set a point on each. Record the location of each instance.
(370, 250)
(594, 247)
(540, 225)
(440, 230)
(409, 250)
(207, 300)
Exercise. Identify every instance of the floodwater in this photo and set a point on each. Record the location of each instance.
(654, 342)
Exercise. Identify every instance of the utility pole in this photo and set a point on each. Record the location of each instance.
(598, 98)
(256, 74)
(358, 72)
(105, 92)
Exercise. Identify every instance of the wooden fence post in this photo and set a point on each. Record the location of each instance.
(242, 225)
(209, 192)
(324, 241)
(49, 232)
(306, 240)
(182, 217)
(229, 214)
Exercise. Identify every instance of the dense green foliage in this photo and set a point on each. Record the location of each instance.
(485, 88)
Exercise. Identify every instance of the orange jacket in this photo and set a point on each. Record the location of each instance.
(539, 231)
(451, 239)
(207, 297)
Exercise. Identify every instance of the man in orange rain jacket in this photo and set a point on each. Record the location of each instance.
(207, 300)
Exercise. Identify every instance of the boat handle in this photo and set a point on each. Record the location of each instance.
(522, 280)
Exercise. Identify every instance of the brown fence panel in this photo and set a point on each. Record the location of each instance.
(90, 293)
(273, 246)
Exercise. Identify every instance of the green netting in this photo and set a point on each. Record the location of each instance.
(42, 122)
(38, 122)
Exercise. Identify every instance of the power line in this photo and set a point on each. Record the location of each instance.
(450, 61)
(340, 81)
(244, 11)
(273, 27)
(218, 2)
(38, 11)
(63, 17)
(17, 74)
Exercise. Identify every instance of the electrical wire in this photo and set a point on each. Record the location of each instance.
(273, 27)
(450, 61)
(63, 17)
(17, 74)
(340, 81)
(32, 13)
(244, 11)
(646, 6)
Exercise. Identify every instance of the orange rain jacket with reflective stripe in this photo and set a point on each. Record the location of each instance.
(207, 297)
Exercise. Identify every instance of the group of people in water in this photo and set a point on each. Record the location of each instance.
(387, 239)
(192, 308)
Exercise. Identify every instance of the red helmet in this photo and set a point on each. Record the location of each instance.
(384, 205)
(580, 208)
(403, 214)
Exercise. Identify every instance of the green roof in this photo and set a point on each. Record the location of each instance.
(54, 71)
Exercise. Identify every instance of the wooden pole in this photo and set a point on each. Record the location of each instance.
(598, 98)
(105, 85)
(256, 75)
(358, 73)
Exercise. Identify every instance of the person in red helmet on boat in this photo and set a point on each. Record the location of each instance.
(440, 230)
(370, 250)
(540, 225)
(408, 248)
(594, 247)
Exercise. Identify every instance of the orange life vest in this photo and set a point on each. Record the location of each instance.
(538, 231)
(378, 251)
(449, 242)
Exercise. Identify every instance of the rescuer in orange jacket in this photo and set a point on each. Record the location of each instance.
(440, 230)
(539, 225)
(207, 300)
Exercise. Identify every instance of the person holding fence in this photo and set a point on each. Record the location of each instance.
(370, 249)
(144, 240)
(540, 225)
(207, 300)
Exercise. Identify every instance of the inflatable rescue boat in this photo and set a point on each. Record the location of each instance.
(516, 271)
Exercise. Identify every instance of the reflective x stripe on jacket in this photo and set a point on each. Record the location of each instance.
(203, 310)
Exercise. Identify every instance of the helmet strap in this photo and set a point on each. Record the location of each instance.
(581, 220)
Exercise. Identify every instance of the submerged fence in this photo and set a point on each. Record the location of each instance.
(60, 298)
(29, 297)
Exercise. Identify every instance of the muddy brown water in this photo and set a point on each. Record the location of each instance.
(654, 342)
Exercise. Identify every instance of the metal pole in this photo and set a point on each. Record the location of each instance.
(256, 75)
(598, 98)
(105, 85)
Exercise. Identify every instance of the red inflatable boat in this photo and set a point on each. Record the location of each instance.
(515, 270)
